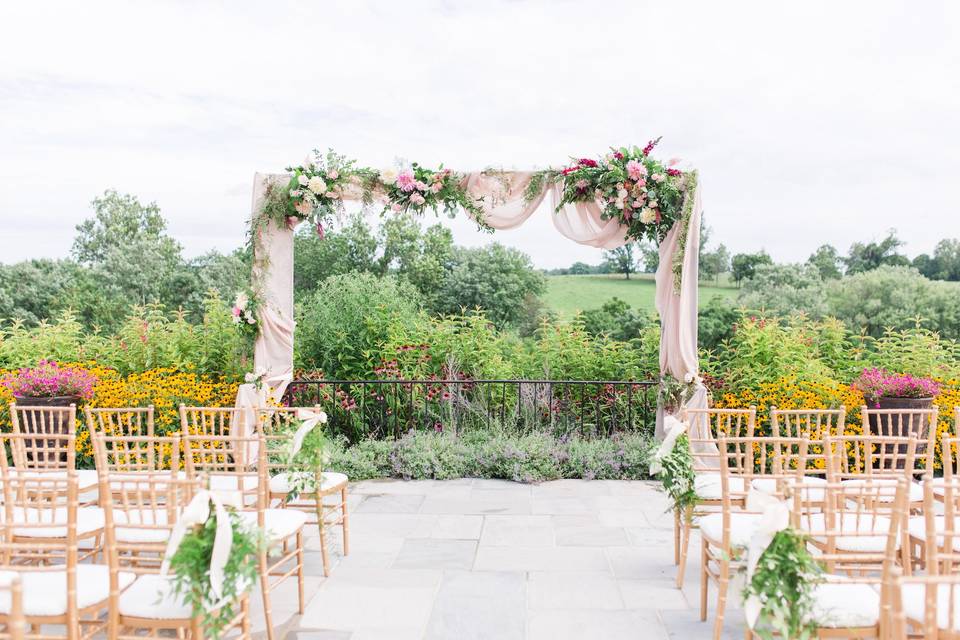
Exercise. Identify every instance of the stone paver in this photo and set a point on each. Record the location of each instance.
(492, 559)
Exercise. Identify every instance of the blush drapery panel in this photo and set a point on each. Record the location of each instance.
(505, 206)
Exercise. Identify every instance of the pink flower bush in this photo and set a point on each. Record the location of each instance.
(879, 383)
(48, 379)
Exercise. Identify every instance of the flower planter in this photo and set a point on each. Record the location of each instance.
(897, 424)
(43, 421)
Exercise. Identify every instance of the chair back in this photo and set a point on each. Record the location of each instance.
(136, 454)
(49, 426)
(813, 425)
(708, 425)
(925, 606)
(220, 459)
(941, 514)
(856, 457)
(120, 421)
(208, 421)
(277, 425)
(918, 423)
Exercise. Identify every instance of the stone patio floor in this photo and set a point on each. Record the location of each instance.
(489, 559)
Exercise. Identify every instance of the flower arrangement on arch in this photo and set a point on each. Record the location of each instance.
(417, 188)
(316, 188)
(642, 193)
(879, 383)
(244, 312)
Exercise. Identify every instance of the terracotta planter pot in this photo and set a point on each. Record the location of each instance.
(48, 422)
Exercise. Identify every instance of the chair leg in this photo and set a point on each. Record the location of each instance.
(323, 536)
(265, 591)
(345, 521)
(300, 571)
(685, 531)
(722, 584)
(676, 536)
(245, 618)
(704, 581)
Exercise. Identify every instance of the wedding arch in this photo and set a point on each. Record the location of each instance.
(622, 196)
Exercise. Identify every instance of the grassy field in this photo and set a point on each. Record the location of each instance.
(568, 294)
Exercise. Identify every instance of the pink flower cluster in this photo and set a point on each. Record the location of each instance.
(48, 379)
(879, 383)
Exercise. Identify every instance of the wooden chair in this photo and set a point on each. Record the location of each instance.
(924, 606)
(48, 452)
(283, 555)
(724, 535)
(277, 426)
(731, 423)
(132, 455)
(38, 541)
(918, 423)
(11, 605)
(207, 421)
(813, 425)
(854, 532)
(139, 522)
(89, 519)
(120, 421)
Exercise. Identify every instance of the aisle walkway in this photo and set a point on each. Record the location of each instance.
(488, 559)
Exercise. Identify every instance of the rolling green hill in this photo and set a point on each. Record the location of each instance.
(568, 294)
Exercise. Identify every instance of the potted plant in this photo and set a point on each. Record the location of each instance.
(49, 385)
(884, 390)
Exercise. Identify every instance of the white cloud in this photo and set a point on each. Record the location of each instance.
(810, 122)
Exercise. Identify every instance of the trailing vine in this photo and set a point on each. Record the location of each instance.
(783, 583)
(677, 475)
(190, 577)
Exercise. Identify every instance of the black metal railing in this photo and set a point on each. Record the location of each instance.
(379, 408)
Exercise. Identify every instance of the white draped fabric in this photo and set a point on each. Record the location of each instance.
(505, 207)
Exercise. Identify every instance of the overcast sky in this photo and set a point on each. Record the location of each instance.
(810, 122)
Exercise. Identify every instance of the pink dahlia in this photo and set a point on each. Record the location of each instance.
(406, 181)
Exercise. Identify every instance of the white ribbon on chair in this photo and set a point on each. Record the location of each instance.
(673, 429)
(775, 517)
(197, 513)
(310, 420)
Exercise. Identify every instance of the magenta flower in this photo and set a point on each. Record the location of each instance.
(879, 383)
(48, 379)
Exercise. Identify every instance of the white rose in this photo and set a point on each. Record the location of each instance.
(689, 378)
(647, 216)
(619, 204)
(388, 176)
(249, 318)
(622, 194)
(241, 301)
(317, 185)
(653, 204)
(303, 180)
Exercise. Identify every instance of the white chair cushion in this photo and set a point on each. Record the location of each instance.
(45, 592)
(864, 524)
(230, 487)
(769, 487)
(915, 495)
(914, 606)
(89, 520)
(707, 486)
(917, 527)
(126, 479)
(280, 483)
(142, 517)
(278, 523)
(86, 478)
(844, 605)
(742, 526)
(152, 597)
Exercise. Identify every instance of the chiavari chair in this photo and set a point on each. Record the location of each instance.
(283, 555)
(120, 421)
(778, 462)
(88, 522)
(924, 606)
(854, 532)
(39, 542)
(278, 426)
(45, 451)
(704, 427)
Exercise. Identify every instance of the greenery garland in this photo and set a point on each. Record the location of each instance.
(305, 467)
(190, 566)
(677, 475)
(690, 189)
(783, 582)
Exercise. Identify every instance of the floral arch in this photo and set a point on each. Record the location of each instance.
(623, 196)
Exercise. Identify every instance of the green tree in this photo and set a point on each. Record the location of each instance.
(493, 278)
(827, 261)
(715, 262)
(579, 269)
(650, 257)
(870, 255)
(621, 260)
(743, 265)
(784, 289)
(350, 249)
(946, 261)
